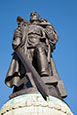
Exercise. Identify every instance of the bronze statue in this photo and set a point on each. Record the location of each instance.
(33, 42)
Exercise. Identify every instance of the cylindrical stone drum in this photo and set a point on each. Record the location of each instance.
(35, 104)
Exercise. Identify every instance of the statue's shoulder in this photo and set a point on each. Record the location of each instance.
(22, 23)
(21, 19)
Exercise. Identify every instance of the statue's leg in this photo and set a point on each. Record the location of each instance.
(41, 59)
(24, 81)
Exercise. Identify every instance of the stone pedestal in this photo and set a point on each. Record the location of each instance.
(34, 104)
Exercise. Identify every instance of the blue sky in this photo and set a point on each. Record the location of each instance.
(63, 16)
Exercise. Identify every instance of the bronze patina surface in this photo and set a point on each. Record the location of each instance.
(32, 69)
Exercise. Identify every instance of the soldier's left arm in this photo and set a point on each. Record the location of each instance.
(52, 36)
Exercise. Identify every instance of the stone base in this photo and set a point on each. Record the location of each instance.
(34, 104)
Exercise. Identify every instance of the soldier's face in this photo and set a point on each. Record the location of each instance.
(34, 16)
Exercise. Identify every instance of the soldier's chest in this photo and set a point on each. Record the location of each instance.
(35, 29)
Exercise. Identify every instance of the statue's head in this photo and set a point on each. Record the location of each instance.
(43, 20)
(34, 16)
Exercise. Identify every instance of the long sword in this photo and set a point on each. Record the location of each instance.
(43, 89)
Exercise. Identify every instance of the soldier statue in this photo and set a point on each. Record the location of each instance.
(35, 41)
